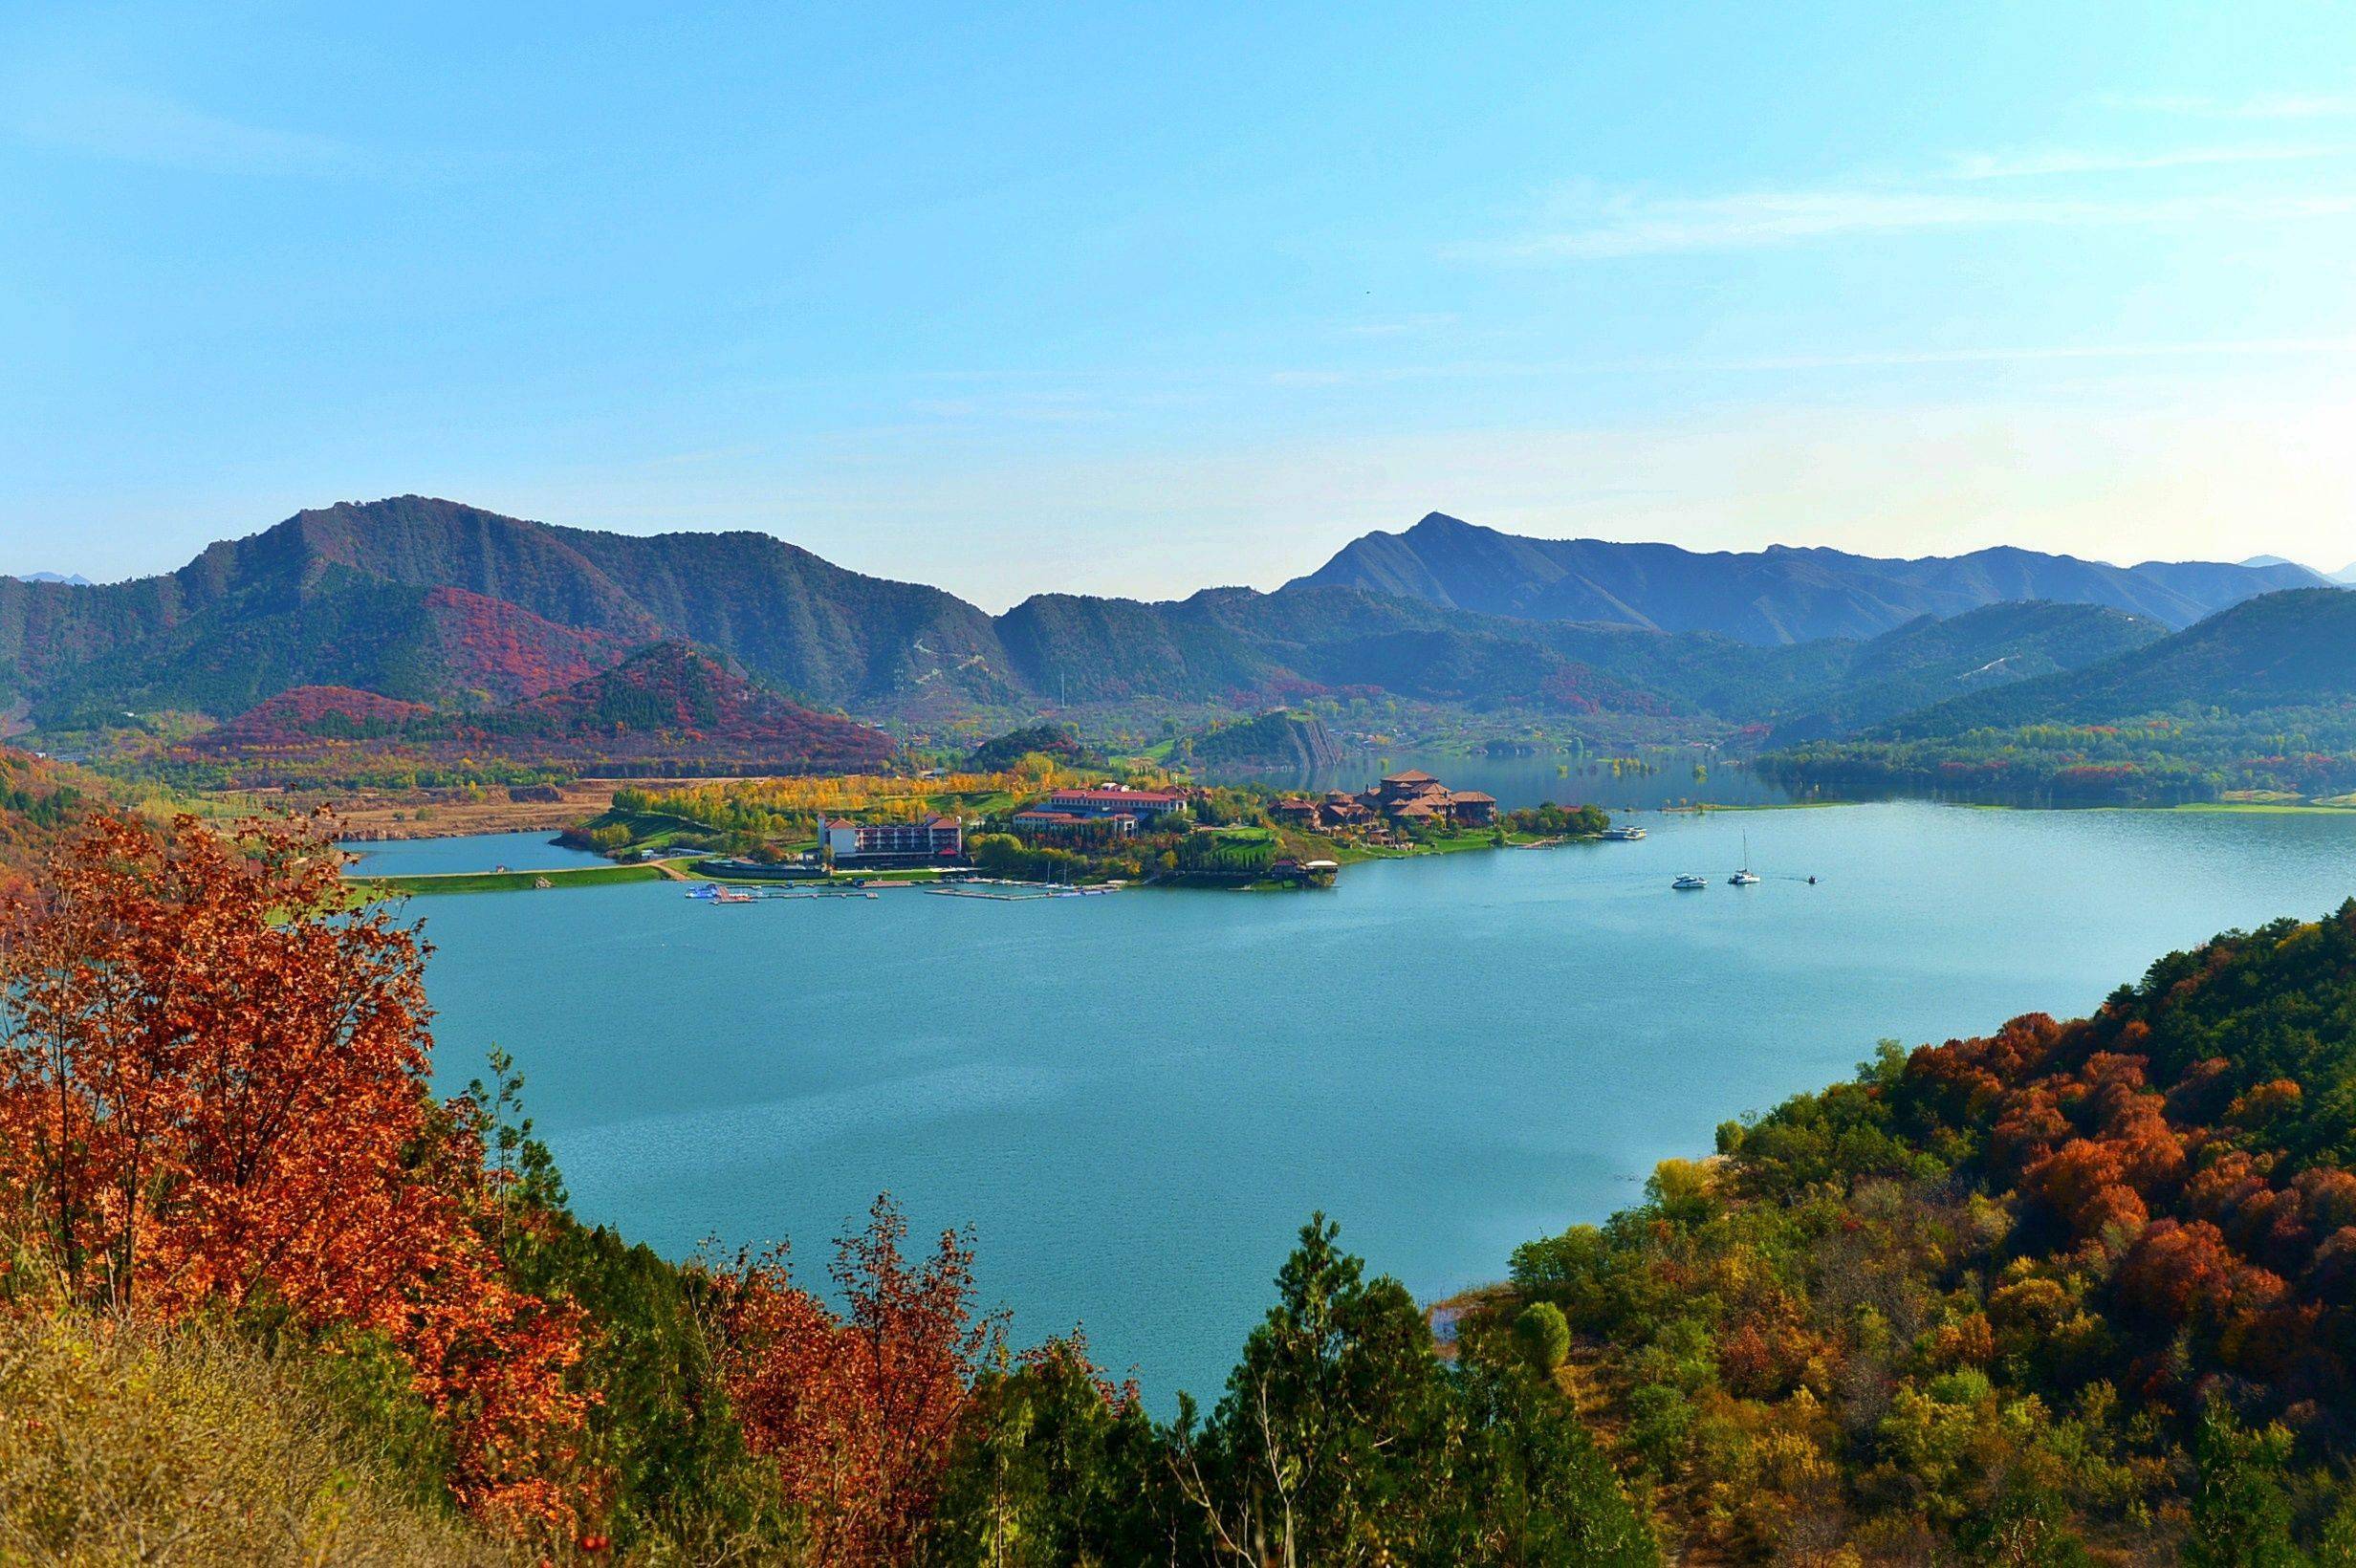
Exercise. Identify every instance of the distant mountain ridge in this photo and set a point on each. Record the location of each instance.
(1776, 595)
(466, 611)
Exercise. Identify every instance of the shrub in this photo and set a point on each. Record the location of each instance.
(1543, 1335)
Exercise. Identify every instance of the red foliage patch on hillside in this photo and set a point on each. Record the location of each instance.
(42, 802)
(1581, 688)
(666, 708)
(507, 652)
(306, 714)
(670, 700)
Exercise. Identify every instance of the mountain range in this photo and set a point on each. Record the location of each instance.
(1769, 596)
(467, 612)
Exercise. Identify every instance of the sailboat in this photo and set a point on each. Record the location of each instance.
(1745, 877)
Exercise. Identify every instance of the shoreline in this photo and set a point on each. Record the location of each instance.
(421, 884)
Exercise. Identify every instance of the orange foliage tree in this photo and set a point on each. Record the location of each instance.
(860, 1411)
(213, 1093)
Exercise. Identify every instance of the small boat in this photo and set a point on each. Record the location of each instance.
(1625, 834)
(1690, 883)
(1745, 877)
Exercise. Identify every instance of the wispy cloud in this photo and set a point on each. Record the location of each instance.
(2064, 161)
(2238, 348)
(2264, 106)
(146, 128)
(1629, 225)
(2215, 348)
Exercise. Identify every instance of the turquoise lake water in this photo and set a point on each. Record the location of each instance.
(474, 851)
(1135, 1101)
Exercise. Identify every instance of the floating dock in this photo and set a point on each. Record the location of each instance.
(1017, 892)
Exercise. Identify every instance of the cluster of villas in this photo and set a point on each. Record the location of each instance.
(1403, 802)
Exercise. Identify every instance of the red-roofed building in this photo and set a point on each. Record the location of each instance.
(1472, 809)
(1114, 801)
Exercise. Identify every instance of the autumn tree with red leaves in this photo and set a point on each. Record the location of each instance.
(860, 1411)
(213, 1093)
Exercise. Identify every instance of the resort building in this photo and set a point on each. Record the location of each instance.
(940, 838)
(1038, 822)
(1113, 800)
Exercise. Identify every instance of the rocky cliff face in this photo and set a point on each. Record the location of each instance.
(1293, 742)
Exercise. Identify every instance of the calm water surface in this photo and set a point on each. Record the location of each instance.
(476, 852)
(1135, 1101)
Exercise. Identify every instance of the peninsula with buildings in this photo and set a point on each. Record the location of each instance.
(1038, 824)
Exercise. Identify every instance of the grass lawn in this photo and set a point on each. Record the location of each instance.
(507, 882)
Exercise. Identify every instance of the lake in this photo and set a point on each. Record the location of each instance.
(1136, 1101)
(474, 851)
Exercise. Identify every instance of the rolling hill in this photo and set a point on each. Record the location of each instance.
(1274, 741)
(2295, 649)
(2258, 703)
(1776, 595)
(663, 708)
(1929, 660)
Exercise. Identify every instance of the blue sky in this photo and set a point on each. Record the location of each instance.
(1133, 299)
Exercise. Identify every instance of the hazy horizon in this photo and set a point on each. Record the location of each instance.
(1132, 302)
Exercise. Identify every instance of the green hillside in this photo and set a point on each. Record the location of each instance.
(1930, 661)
